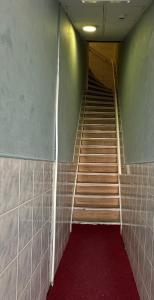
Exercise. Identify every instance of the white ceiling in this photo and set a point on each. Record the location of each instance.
(106, 17)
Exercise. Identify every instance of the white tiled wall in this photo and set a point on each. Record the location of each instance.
(65, 193)
(137, 197)
(65, 189)
(26, 225)
(137, 189)
(25, 209)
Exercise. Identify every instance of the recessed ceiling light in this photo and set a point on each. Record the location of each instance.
(89, 28)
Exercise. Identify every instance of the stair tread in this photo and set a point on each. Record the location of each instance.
(98, 184)
(97, 178)
(100, 215)
(99, 131)
(97, 196)
(97, 203)
(98, 154)
(99, 118)
(105, 138)
(99, 164)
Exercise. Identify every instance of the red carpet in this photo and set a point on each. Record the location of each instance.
(94, 267)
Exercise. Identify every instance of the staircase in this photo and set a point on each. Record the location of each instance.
(97, 189)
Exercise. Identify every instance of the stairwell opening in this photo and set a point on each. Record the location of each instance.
(97, 195)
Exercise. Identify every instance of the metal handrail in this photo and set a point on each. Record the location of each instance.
(118, 137)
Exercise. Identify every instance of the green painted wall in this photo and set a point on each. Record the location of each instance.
(73, 68)
(136, 91)
(28, 51)
(28, 56)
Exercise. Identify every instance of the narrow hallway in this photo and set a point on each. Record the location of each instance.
(94, 267)
(77, 150)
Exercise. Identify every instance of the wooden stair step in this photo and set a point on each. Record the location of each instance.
(95, 85)
(97, 168)
(97, 189)
(92, 79)
(99, 114)
(96, 95)
(100, 130)
(98, 91)
(99, 135)
(96, 216)
(105, 104)
(98, 109)
(98, 150)
(105, 142)
(98, 102)
(98, 158)
(99, 121)
(92, 87)
(96, 202)
(103, 127)
(97, 178)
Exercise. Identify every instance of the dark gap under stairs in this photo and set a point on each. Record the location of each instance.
(94, 266)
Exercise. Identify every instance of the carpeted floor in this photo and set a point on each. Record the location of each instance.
(94, 267)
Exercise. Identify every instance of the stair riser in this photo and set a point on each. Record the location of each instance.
(95, 87)
(99, 109)
(97, 190)
(97, 169)
(95, 216)
(93, 83)
(100, 127)
(94, 202)
(95, 95)
(99, 135)
(91, 92)
(99, 115)
(99, 106)
(97, 179)
(99, 121)
(98, 150)
(98, 102)
(99, 142)
(98, 91)
(95, 159)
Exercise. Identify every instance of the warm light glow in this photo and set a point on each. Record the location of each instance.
(89, 28)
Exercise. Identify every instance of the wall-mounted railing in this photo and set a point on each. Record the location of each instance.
(115, 82)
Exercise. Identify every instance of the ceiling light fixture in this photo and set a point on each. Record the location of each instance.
(97, 1)
(89, 28)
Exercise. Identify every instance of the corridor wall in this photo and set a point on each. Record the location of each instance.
(136, 92)
(28, 55)
(72, 83)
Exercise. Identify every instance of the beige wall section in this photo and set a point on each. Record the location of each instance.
(100, 61)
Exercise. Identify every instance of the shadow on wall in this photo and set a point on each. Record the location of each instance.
(100, 57)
